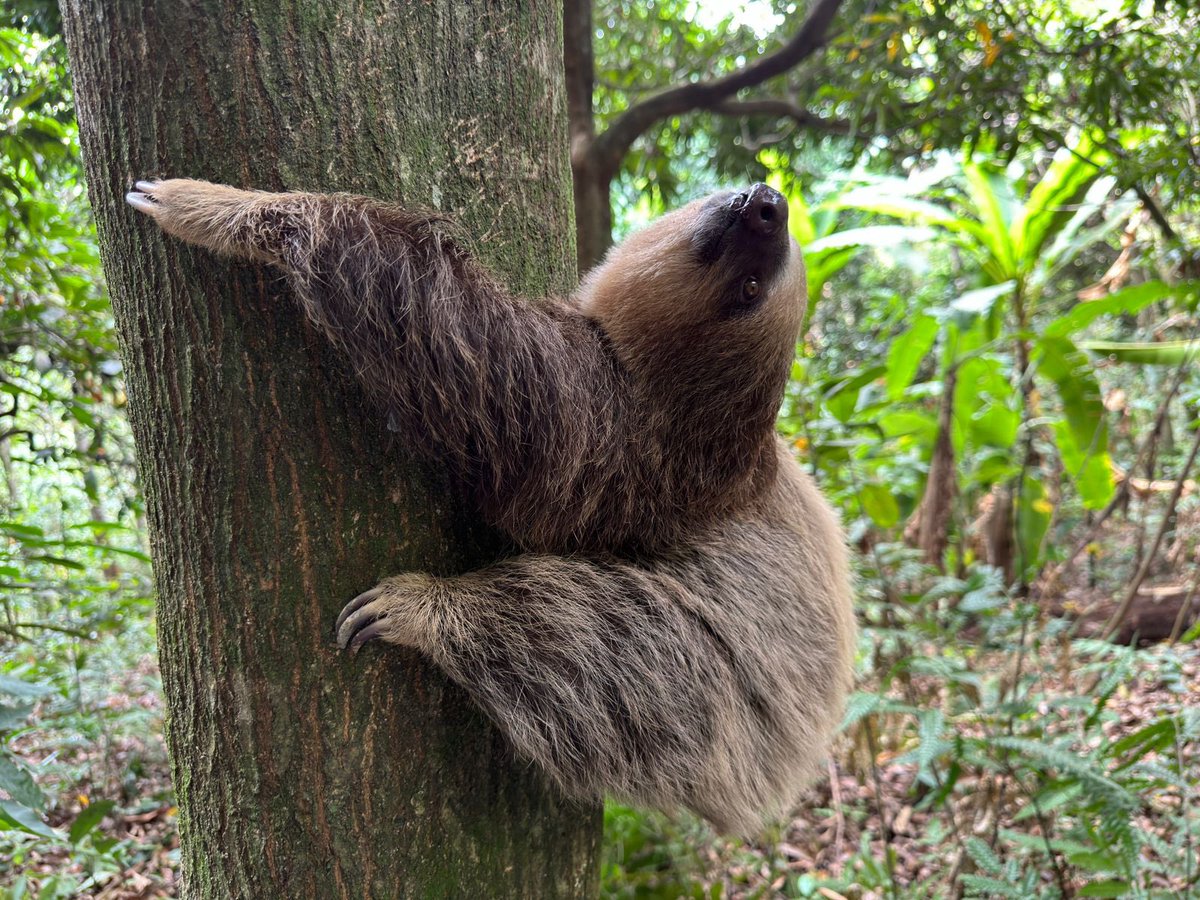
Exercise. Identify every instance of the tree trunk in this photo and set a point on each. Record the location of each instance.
(273, 496)
(593, 186)
(593, 215)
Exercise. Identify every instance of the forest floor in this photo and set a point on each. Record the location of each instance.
(848, 812)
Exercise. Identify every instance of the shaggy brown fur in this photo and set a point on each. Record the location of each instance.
(678, 628)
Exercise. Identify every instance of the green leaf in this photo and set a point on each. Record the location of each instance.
(984, 411)
(60, 561)
(880, 505)
(841, 394)
(929, 734)
(981, 300)
(907, 352)
(1050, 800)
(1108, 888)
(25, 819)
(859, 706)
(89, 817)
(16, 781)
(870, 236)
(1033, 512)
(1040, 756)
(15, 687)
(1155, 737)
(1123, 302)
(1054, 199)
(13, 716)
(1159, 353)
(989, 193)
(902, 423)
(1083, 436)
(984, 856)
(870, 199)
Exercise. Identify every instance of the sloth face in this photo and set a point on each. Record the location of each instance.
(742, 240)
(720, 279)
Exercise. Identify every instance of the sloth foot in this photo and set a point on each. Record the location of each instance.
(392, 612)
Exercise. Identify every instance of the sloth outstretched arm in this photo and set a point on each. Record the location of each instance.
(477, 379)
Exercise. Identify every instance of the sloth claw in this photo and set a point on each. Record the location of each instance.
(356, 624)
(356, 604)
(142, 199)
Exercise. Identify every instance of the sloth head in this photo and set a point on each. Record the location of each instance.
(707, 299)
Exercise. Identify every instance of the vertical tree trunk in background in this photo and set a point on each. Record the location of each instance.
(274, 497)
(593, 186)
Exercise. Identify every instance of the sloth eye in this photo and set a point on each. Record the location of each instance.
(751, 288)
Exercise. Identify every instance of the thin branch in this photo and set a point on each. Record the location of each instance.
(1181, 617)
(1050, 580)
(609, 148)
(1122, 610)
(783, 109)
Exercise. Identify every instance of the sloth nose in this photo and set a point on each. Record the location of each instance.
(765, 211)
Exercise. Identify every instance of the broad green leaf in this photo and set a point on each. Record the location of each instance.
(800, 222)
(880, 505)
(870, 199)
(1054, 199)
(841, 396)
(1074, 237)
(870, 236)
(16, 781)
(1110, 887)
(1123, 302)
(1033, 511)
(985, 414)
(89, 817)
(1158, 353)
(991, 196)
(1083, 436)
(980, 301)
(25, 819)
(15, 687)
(907, 352)
(920, 425)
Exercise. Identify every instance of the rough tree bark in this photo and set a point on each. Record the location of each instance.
(274, 497)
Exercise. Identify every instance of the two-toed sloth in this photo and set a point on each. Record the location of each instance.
(677, 628)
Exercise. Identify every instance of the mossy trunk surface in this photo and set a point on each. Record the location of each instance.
(274, 495)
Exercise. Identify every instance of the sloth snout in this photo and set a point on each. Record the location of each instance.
(765, 211)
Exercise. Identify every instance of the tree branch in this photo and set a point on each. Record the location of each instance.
(783, 109)
(610, 147)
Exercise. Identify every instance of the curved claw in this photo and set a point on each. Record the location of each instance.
(142, 197)
(354, 606)
(140, 202)
(363, 635)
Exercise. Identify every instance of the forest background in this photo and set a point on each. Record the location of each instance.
(997, 387)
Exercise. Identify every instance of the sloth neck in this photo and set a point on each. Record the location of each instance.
(715, 426)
